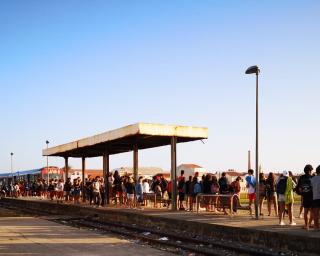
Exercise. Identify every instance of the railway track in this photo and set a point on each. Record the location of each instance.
(175, 243)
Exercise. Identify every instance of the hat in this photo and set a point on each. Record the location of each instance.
(285, 173)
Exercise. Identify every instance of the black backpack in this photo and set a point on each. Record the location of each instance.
(224, 187)
(282, 185)
(305, 185)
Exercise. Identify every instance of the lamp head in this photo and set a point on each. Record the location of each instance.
(47, 142)
(11, 153)
(253, 70)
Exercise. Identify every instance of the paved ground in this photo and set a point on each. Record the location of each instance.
(242, 219)
(34, 236)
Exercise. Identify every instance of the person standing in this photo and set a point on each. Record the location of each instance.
(315, 183)
(262, 191)
(182, 191)
(235, 189)
(60, 189)
(285, 197)
(271, 193)
(67, 189)
(139, 193)
(251, 184)
(304, 189)
(223, 189)
(130, 190)
(96, 191)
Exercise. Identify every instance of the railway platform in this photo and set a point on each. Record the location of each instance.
(242, 228)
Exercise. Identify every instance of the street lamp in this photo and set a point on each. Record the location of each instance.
(256, 70)
(47, 142)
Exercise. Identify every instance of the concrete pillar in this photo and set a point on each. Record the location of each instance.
(135, 163)
(83, 183)
(174, 172)
(106, 172)
(66, 166)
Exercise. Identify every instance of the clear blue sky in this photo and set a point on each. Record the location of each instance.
(71, 69)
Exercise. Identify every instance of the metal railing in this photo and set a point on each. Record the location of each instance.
(217, 197)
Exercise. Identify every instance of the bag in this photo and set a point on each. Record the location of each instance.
(281, 186)
(165, 195)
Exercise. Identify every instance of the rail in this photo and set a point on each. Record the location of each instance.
(217, 197)
(153, 197)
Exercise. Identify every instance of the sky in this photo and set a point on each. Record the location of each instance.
(73, 69)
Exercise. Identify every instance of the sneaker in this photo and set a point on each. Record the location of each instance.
(282, 223)
(293, 224)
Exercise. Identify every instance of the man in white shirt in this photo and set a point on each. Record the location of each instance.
(251, 184)
(96, 186)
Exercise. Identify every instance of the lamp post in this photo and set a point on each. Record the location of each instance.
(256, 70)
(47, 142)
(11, 154)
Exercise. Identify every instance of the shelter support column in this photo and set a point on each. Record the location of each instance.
(106, 171)
(66, 166)
(135, 163)
(83, 182)
(174, 172)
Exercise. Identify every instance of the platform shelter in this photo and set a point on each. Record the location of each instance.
(129, 138)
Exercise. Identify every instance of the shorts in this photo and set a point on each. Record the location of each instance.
(316, 203)
(252, 196)
(76, 192)
(130, 196)
(271, 195)
(307, 202)
(181, 196)
(281, 198)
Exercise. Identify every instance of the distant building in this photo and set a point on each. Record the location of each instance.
(190, 170)
(145, 172)
(77, 173)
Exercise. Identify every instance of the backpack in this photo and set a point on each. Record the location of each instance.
(196, 189)
(181, 185)
(223, 185)
(305, 185)
(281, 186)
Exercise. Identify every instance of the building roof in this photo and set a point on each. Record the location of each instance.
(143, 135)
(235, 174)
(190, 166)
(142, 170)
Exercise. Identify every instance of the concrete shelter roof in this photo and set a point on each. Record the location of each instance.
(144, 135)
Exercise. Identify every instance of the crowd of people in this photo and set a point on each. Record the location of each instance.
(216, 192)
(279, 192)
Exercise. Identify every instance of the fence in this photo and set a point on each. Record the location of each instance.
(217, 198)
